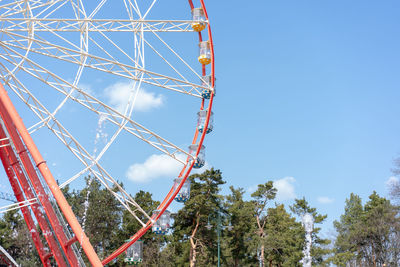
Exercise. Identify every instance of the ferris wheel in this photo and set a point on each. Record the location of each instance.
(80, 66)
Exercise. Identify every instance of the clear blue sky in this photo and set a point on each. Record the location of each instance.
(307, 95)
(309, 90)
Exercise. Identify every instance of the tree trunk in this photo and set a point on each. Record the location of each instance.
(262, 256)
(373, 255)
(193, 245)
(261, 233)
(193, 255)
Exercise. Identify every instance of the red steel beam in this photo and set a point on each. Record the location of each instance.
(6, 102)
(20, 198)
(40, 216)
(38, 187)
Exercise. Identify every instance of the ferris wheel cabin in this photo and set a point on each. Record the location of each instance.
(134, 254)
(199, 19)
(204, 52)
(184, 193)
(206, 81)
(162, 225)
(201, 121)
(200, 159)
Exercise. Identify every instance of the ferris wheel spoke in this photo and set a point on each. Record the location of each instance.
(176, 54)
(129, 9)
(132, 6)
(42, 43)
(56, 46)
(18, 205)
(98, 25)
(17, 7)
(82, 155)
(51, 8)
(20, 90)
(98, 7)
(78, 8)
(48, 120)
(122, 196)
(14, 8)
(112, 66)
(165, 60)
(97, 106)
(148, 10)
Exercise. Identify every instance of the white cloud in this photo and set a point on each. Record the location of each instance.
(118, 96)
(392, 181)
(154, 167)
(285, 187)
(325, 200)
(157, 166)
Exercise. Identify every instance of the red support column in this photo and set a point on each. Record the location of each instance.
(40, 216)
(40, 192)
(25, 210)
(9, 110)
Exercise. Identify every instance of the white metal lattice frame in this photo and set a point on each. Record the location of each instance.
(18, 205)
(20, 37)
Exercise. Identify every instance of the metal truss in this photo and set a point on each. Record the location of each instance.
(89, 102)
(91, 164)
(97, 25)
(31, 36)
(112, 66)
(18, 205)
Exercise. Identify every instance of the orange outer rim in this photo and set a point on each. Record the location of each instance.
(185, 171)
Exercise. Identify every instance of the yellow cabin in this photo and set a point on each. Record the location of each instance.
(199, 19)
(205, 53)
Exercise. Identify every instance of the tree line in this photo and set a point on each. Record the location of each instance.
(263, 232)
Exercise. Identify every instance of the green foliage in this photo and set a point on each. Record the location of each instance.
(349, 230)
(319, 250)
(15, 239)
(237, 241)
(130, 225)
(102, 217)
(194, 242)
(277, 235)
(263, 194)
(369, 234)
(262, 234)
(284, 239)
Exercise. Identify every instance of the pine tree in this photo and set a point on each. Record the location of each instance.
(284, 238)
(16, 239)
(244, 225)
(193, 242)
(151, 242)
(319, 251)
(349, 229)
(261, 197)
(380, 224)
(368, 235)
(102, 218)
